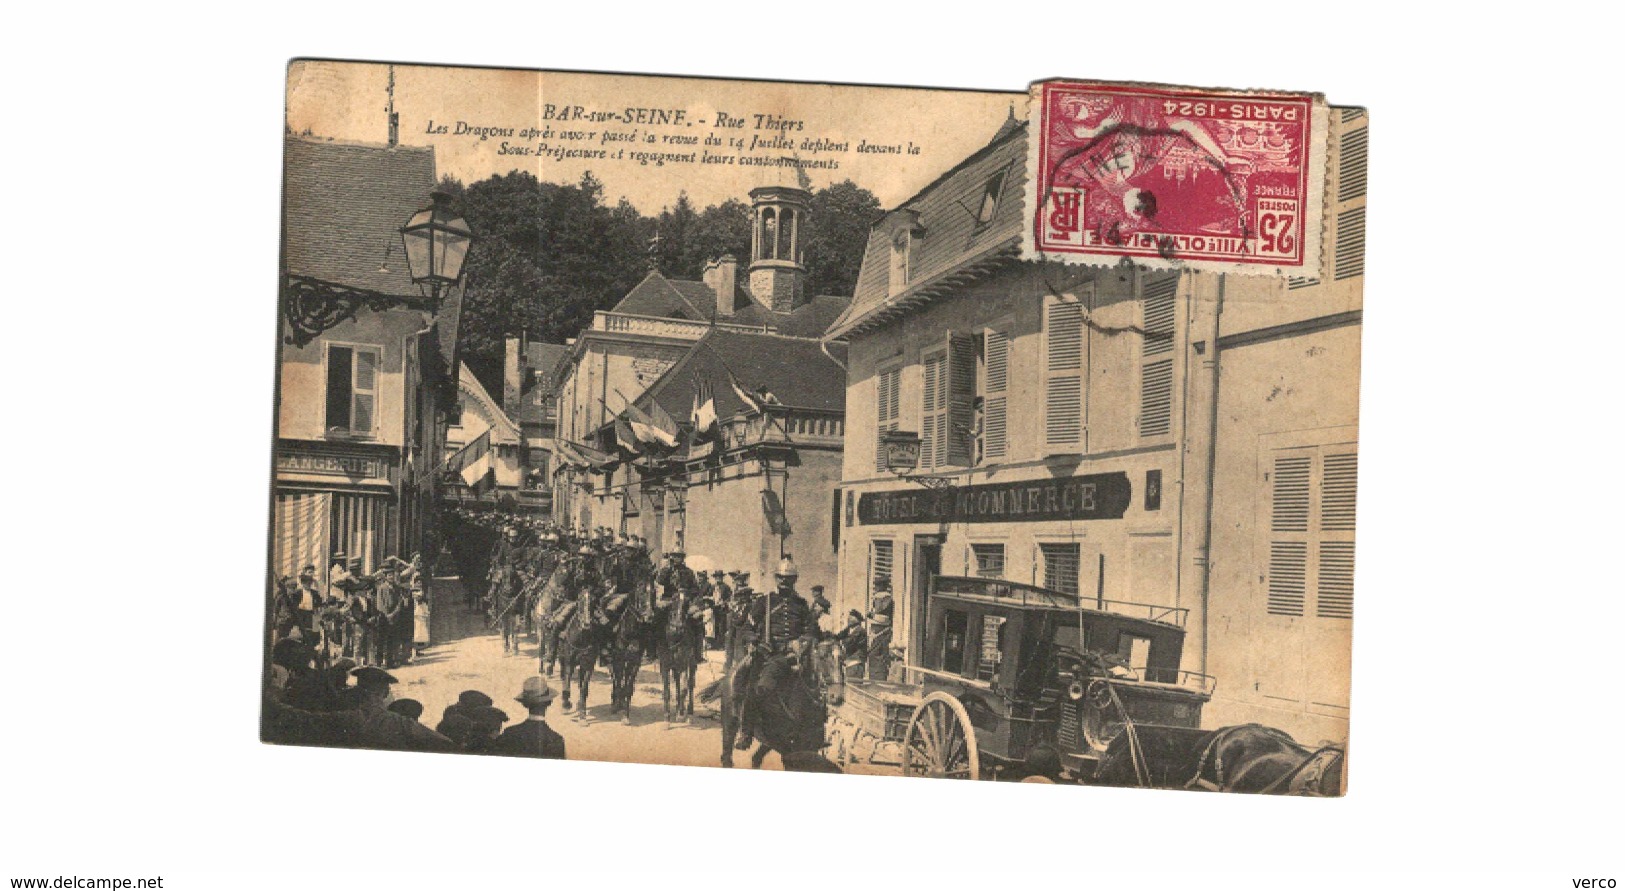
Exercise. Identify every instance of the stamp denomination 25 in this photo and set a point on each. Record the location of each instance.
(1174, 177)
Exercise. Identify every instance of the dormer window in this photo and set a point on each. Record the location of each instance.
(990, 200)
(905, 233)
(899, 260)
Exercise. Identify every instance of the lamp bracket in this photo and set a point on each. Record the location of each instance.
(311, 306)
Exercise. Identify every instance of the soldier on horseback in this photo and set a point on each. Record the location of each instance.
(778, 626)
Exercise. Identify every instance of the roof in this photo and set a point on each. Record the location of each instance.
(673, 298)
(344, 205)
(944, 214)
(793, 369)
(543, 358)
(665, 298)
(504, 430)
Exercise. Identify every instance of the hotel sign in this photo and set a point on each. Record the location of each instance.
(1101, 496)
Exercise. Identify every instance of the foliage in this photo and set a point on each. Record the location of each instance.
(547, 255)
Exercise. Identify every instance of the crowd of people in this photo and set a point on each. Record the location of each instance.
(379, 618)
(329, 680)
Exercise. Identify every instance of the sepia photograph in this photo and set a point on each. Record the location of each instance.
(736, 427)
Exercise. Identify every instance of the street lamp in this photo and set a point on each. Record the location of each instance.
(437, 242)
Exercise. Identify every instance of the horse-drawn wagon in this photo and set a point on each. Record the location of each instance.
(1018, 680)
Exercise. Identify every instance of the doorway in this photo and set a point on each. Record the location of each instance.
(927, 566)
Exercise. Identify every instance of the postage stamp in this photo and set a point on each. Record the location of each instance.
(1175, 177)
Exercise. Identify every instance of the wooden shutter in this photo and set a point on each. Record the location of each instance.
(340, 377)
(995, 410)
(886, 409)
(1060, 567)
(1334, 577)
(1158, 309)
(960, 390)
(1063, 378)
(1349, 261)
(933, 448)
(1351, 165)
(880, 565)
(1289, 525)
(366, 396)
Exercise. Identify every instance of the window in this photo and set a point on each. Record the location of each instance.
(880, 566)
(955, 626)
(1063, 375)
(1311, 532)
(1158, 306)
(934, 432)
(902, 259)
(995, 386)
(990, 200)
(887, 409)
(1060, 567)
(991, 653)
(989, 560)
(352, 389)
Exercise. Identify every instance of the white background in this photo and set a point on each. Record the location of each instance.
(141, 224)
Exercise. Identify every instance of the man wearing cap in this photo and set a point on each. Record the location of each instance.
(880, 630)
(531, 738)
(674, 576)
(783, 626)
(820, 608)
(371, 725)
(722, 600)
(854, 643)
(393, 615)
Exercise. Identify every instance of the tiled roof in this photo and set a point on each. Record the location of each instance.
(945, 213)
(344, 206)
(810, 319)
(794, 370)
(543, 358)
(659, 296)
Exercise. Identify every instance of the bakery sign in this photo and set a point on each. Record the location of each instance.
(1099, 496)
(332, 464)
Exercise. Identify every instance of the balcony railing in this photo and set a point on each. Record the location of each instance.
(655, 326)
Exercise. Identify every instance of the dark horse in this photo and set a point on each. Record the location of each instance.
(632, 642)
(791, 719)
(680, 645)
(1239, 758)
(581, 638)
(505, 607)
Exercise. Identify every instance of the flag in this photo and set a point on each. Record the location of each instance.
(744, 395)
(626, 440)
(704, 415)
(649, 429)
(473, 463)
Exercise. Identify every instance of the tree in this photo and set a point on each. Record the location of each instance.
(838, 234)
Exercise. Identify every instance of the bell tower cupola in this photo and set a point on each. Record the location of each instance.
(778, 275)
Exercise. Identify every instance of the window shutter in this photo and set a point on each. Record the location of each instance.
(989, 560)
(1351, 165)
(930, 412)
(1339, 479)
(959, 383)
(886, 405)
(1334, 580)
(880, 565)
(1349, 260)
(1063, 390)
(1158, 308)
(996, 345)
(340, 375)
(1334, 588)
(366, 384)
(1061, 567)
(1289, 520)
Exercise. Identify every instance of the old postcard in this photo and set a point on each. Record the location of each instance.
(853, 429)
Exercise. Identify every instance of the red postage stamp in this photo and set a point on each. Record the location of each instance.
(1173, 177)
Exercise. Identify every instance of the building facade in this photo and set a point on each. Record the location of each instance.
(1179, 439)
(766, 486)
(360, 401)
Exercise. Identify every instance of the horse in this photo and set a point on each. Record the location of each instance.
(632, 641)
(504, 608)
(545, 617)
(580, 641)
(679, 645)
(1239, 758)
(792, 720)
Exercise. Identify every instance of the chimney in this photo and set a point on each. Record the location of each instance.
(722, 276)
(512, 371)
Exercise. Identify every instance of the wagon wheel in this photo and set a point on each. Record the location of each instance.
(940, 741)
